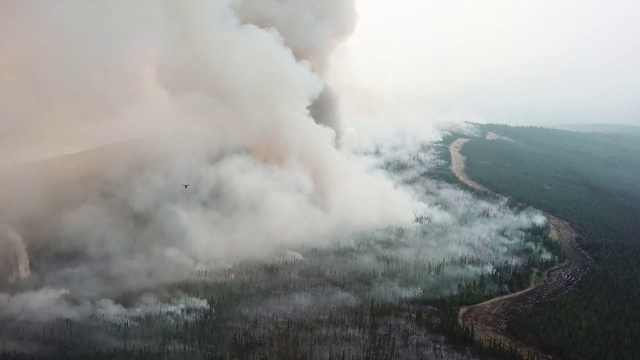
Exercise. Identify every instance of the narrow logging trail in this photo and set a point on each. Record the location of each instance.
(494, 319)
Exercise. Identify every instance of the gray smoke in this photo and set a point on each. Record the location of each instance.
(311, 29)
(230, 98)
(49, 304)
(222, 96)
(14, 261)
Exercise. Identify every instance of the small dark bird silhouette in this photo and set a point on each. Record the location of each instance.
(186, 186)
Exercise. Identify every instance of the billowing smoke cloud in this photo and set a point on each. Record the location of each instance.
(221, 91)
(311, 29)
(144, 143)
(230, 99)
(49, 304)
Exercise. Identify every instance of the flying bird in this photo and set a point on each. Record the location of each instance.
(186, 185)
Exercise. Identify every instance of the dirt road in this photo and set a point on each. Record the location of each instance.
(493, 319)
(458, 164)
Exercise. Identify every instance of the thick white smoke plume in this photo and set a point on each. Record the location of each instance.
(145, 141)
(220, 91)
(311, 30)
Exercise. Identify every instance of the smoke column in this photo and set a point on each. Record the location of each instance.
(14, 263)
(311, 30)
(220, 93)
(146, 142)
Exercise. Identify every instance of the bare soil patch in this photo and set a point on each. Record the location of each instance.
(458, 164)
(494, 136)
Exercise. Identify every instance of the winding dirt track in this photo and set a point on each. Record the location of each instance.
(493, 319)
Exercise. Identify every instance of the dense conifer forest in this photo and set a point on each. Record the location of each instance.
(365, 298)
(593, 181)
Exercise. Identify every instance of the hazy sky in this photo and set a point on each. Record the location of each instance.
(519, 62)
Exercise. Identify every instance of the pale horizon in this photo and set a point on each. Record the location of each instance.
(520, 63)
